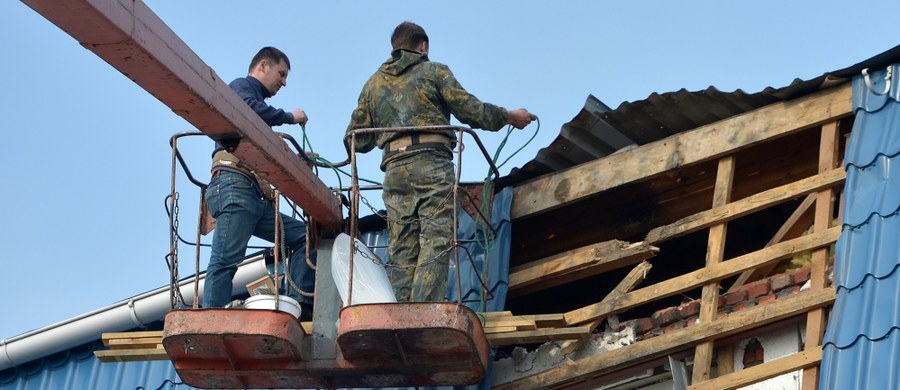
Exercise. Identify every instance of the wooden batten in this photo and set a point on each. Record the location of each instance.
(702, 144)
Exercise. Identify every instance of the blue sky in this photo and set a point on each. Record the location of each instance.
(86, 166)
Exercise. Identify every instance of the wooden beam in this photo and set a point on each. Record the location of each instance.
(704, 143)
(715, 254)
(700, 277)
(770, 369)
(576, 264)
(815, 320)
(574, 371)
(546, 320)
(131, 355)
(746, 206)
(798, 223)
(130, 37)
(539, 336)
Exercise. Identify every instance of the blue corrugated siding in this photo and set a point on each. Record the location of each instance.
(862, 340)
(77, 368)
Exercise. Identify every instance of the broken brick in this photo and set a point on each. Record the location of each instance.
(757, 288)
(780, 281)
(665, 316)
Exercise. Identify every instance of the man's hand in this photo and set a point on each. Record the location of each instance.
(300, 116)
(520, 118)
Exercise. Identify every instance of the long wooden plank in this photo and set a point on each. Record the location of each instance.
(746, 206)
(815, 320)
(539, 336)
(130, 37)
(135, 343)
(576, 264)
(573, 371)
(770, 369)
(715, 254)
(555, 320)
(109, 336)
(701, 144)
(691, 280)
(131, 355)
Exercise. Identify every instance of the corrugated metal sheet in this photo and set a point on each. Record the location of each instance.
(77, 368)
(598, 131)
(862, 340)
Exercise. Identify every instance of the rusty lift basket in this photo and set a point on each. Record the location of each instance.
(375, 345)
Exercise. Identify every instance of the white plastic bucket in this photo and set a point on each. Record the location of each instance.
(267, 302)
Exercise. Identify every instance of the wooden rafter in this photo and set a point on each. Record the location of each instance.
(573, 371)
(576, 264)
(702, 144)
(703, 276)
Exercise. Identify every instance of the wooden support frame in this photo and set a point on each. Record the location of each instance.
(702, 144)
(815, 319)
(715, 254)
(797, 361)
(130, 37)
(701, 277)
(571, 372)
(796, 224)
(576, 264)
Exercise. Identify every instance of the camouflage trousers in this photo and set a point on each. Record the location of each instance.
(416, 194)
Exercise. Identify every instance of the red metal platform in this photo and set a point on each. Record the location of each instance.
(409, 344)
(433, 343)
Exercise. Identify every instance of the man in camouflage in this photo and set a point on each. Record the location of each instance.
(410, 90)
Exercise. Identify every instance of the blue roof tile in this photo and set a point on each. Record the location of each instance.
(873, 190)
(862, 340)
(867, 311)
(863, 243)
(865, 364)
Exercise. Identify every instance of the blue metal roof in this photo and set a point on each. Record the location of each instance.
(862, 340)
(77, 368)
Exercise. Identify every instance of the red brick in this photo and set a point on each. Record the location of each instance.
(689, 309)
(788, 291)
(674, 327)
(735, 297)
(766, 299)
(757, 288)
(743, 305)
(801, 275)
(665, 316)
(780, 281)
(642, 325)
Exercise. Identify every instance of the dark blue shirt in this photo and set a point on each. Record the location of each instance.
(254, 93)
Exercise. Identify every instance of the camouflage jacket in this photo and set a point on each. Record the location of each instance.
(410, 90)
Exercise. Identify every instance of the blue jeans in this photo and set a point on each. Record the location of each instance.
(241, 212)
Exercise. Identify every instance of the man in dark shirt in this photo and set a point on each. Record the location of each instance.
(410, 90)
(242, 201)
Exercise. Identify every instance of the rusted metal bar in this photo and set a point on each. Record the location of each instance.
(130, 37)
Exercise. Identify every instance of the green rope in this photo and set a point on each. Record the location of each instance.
(488, 244)
(319, 159)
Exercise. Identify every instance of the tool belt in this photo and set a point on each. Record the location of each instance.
(227, 161)
(417, 141)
